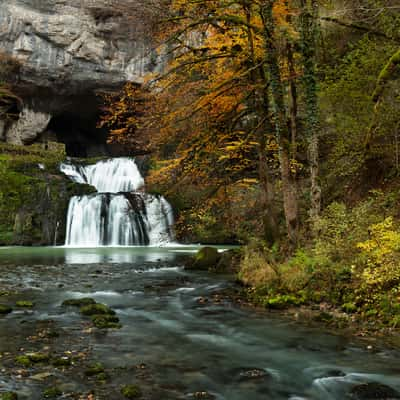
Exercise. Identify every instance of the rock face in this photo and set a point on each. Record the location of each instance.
(29, 125)
(74, 45)
(34, 195)
(69, 50)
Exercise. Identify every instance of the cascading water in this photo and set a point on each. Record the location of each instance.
(119, 214)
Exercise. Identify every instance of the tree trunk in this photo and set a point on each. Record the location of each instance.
(289, 185)
(309, 35)
(260, 107)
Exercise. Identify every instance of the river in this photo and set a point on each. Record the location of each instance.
(179, 338)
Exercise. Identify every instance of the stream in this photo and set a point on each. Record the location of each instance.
(179, 338)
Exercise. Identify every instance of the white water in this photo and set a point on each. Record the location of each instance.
(119, 214)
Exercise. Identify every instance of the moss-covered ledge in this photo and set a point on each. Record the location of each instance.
(34, 195)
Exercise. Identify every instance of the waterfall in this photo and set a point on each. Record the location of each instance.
(120, 214)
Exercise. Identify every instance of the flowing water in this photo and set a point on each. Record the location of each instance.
(180, 339)
(120, 213)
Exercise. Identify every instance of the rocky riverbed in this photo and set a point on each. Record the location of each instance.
(175, 336)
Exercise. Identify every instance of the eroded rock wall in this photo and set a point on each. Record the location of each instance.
(74, 45)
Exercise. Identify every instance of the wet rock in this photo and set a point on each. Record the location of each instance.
(42, 376)
(328, 373)
(85, 301)
(106, 321)
(229, 262)
(28, 359)
(200, 395)
(94, 369)
(252, 374)
(52, 393)
(96, 309)
(4, 309)
(24, 304)
(205, 259)
(323, 317)
(102, 377)
(131, 391)
(38, 357)
(373, 391)
(61, 362)
(9, 396)
(23, 361)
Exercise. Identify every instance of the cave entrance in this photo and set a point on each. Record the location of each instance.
(79, 134)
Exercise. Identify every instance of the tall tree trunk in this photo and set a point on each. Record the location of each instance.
(293, 100)
(261, 109)
(289, 184)
(309, 37)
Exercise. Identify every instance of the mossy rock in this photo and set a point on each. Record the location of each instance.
(24, 361)
(95, 369)
(323, 317)
(102, 377)
(205, 259)
(61, 362)
(52, 393)
(131, 391)
(106, 321)
(85, 301)
(373, 391)
(4, 309)
(96, 309)
(25, 304)
(229, 262)
(8, 396)
(28, 359)
(38, 357)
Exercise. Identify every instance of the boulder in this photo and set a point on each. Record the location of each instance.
(373, 391)
(205, 259)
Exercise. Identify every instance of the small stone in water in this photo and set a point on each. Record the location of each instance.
(254, 373)
(79, 302)
(94, 369)
(25, 303)
(131, 391)
(4, 309)
(201, 395)
(96, 309)
(52, 393)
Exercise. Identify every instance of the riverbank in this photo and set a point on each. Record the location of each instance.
(317, 296)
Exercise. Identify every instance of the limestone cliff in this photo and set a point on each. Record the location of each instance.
(69, 50)
(74, 44)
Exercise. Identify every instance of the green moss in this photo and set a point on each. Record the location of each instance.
(9, 396)
(62, 362)
(4, 309)
(283, 301)
(96, 309)
(349, 307)
(28, 359)
(52, 393)
(102, 377)
(25, 304)
(206, 258)
(94, 369)
(33, 201)
(131, 391)
(38, 357)
(24, 361)
(106, 321)
(85, 301)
